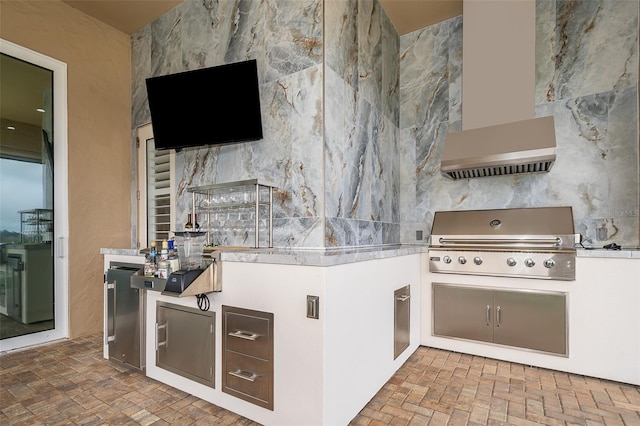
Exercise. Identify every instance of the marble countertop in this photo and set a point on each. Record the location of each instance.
(339, 256)
(305, 257)
(321, 257)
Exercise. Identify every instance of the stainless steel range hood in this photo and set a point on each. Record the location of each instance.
(500, 135)
(524, 146)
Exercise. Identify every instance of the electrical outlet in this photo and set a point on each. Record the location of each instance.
(419, 235)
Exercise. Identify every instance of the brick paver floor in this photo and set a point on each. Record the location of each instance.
(69, 383)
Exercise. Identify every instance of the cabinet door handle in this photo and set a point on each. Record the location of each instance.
(488, 314)
(244, 375)
(247, 335)
(112, 337)
(498, 316)
(403, 298)
(166, 336)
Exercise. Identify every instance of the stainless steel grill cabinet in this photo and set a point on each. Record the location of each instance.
(523, 242)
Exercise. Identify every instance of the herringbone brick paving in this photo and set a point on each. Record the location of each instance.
(69, 383)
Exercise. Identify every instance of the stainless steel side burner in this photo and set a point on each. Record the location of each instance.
(525, 243)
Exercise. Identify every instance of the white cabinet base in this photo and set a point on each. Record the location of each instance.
(327, 369)
(603, 319)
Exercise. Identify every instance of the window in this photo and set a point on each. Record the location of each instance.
(155, 189)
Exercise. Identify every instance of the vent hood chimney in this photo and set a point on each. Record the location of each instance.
(500, 135)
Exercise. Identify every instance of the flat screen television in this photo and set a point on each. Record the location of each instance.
(209, 106)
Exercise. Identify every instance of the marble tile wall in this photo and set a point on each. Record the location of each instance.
(586, 77)
(285, 37)
(330, 129)
(361, 161)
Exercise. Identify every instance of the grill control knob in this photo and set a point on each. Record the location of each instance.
(477, 260)
(549, 263)
(511, 261)
(529, 263)
(462, 260)
(446, 259)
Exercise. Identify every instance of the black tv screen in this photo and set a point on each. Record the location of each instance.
(208, 106)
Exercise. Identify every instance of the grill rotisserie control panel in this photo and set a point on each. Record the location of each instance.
(525, 264)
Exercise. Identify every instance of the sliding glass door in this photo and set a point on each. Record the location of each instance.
(33, 198)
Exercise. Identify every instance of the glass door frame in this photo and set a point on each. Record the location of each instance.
(60, 200)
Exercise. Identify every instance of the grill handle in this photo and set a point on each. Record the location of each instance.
(504, 241)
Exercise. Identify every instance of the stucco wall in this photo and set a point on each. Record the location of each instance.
(99, 122)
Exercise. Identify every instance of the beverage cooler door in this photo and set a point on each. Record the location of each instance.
(125, 316)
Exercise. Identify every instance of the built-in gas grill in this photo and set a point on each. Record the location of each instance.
(525, 243)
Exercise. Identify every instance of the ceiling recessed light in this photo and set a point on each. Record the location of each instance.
(10, 128)
(40, 110)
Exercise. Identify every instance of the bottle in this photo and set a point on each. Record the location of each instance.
(152, 251)
(173, 248)
(164, 252)
(150, 267)
(195, 219)
(164, 269)
(148, 270)
(189, 225)
(174, 262)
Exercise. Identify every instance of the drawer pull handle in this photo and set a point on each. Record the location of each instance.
(403, 298)
(247, 335)
(244, 375)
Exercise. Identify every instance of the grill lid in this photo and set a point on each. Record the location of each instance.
(540, 228)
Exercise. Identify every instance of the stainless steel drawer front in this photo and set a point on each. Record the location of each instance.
(248, 376)
(247, 363)
(247, 335)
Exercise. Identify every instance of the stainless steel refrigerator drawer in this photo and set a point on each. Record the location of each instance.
(148, 283)
(248, 378)
(248, 333)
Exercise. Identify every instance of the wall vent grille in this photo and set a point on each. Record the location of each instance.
(540, 166)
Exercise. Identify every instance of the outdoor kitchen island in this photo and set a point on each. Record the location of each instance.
(602, 317)
(324, 370)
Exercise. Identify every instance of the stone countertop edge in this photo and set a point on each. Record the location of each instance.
(120, 251)
(613, 254)
(339, 256)
(303, 257)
